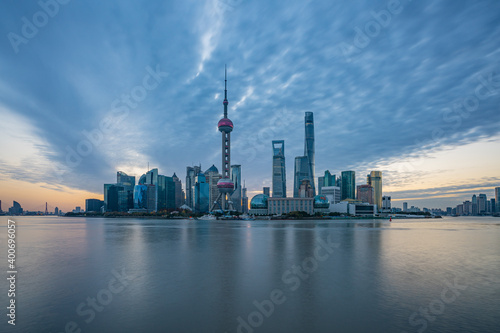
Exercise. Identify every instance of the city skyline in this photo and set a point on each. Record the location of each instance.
(368, 116)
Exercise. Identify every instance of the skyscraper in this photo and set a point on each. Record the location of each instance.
(225, 125)
(365, 193)
(128, 183)
(309, 148)
(405, 206)
(300, 173)
(304, 165)
(191, 173)
(348, 183)
(201, 194)
(474, 210)
(279, 169)
(236, 195)
(212, 176)
(266, 190)
(244, 199)
(497, 198)
(327, 180)
(482, 206)
(179, 198)
(375, 180)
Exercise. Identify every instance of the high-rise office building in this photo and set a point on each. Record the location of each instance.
(305, 189)
(191, 173)
(201, 194)
(332, 193)
(279, 169)
(140, 196)
(326, 180)
(405, 206)
(179, 197)
(16, 209)
(365, 193)
(93, 205)
(115, 198)
(166, 193)
(236, 195)
(497, 199)
(300, 173)
(482, 205)
(305, 165)
(244, 200)
(493, 205)
(56, 210)
(474, 206)
(375, 180)
(267, 191)
(321, 183)
(212, 176)
(128, 183)
(386, 204)
(348, 188)
(225, 125)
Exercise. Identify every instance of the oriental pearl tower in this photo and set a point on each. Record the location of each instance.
(225, 184)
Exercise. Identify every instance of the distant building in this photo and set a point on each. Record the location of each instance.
(115, 198)
(212, 176)
(128, 183)
(405, 206)
(306, 190)
(354, 207)
(386, 204)
(305, 165)
(332, 193)
(474, 206)
(191, 173)
(77, 210)
(266, 191)
(244, 200)
(259, 205)
(493, 206)
(279, 169)
(482, 205)
(497, 199)
(375, 180)
(236, 194)
(348, 188)
(327, 180)
(178, 193)
(364, 193)
(92, 205)
(56, 210)
(16, 209)
(201, 194)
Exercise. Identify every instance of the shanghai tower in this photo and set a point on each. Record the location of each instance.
(304, 165)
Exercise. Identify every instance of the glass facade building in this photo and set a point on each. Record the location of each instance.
(375, 180)
(201, 194)
(279, 169)
(305, 165)
(236, 195)
(348, 183)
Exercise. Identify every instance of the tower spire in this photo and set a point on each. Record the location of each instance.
(225, 92)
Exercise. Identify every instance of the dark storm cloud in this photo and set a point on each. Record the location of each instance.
(395, 95)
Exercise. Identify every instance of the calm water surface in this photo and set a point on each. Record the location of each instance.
(255, 276)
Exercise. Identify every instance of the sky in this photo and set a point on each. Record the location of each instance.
(87, 88)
